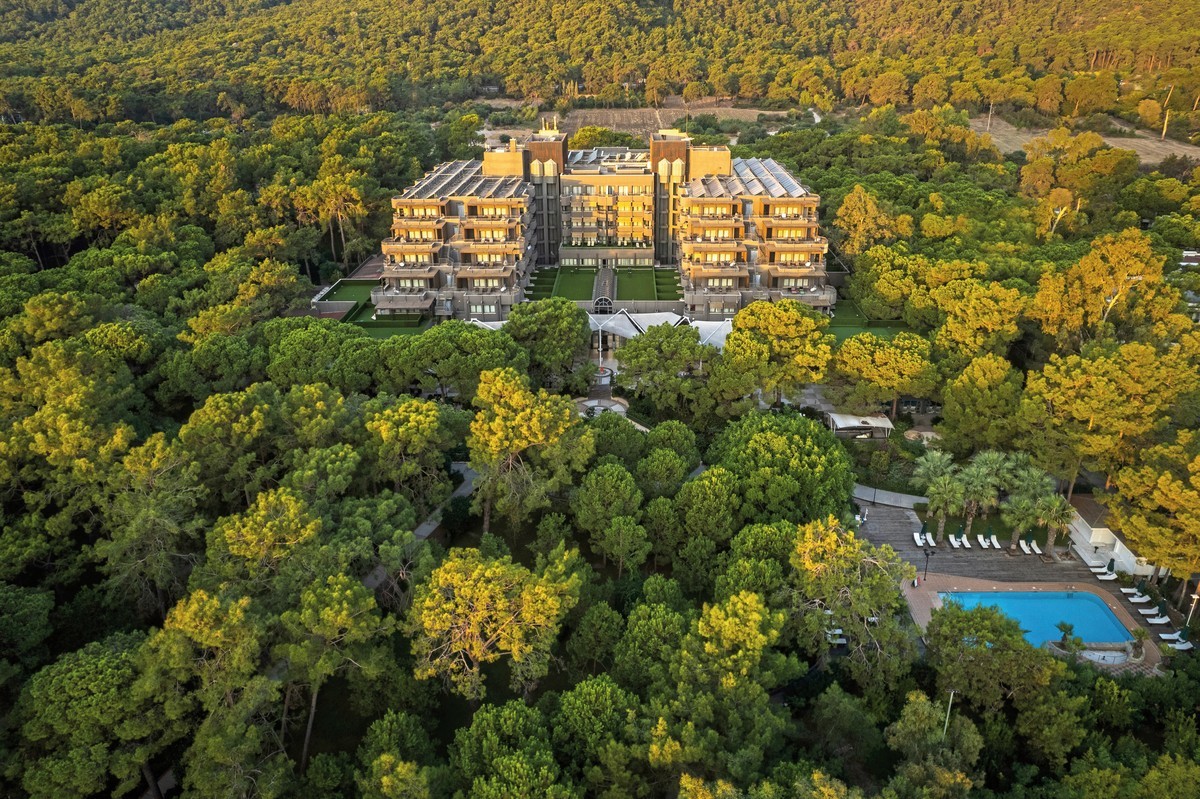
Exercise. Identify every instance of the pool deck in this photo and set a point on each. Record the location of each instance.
(988, 570)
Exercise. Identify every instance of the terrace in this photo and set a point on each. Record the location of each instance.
(352, 302)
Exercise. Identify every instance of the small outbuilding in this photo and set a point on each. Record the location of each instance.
(846, 425)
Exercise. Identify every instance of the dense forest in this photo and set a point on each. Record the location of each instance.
(96, 60)
(210, 566)
(209, 498)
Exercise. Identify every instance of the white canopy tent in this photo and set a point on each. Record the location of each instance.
(855, 426)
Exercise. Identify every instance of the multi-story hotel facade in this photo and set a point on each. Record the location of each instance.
(467, 238)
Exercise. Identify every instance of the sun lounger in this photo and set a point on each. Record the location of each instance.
(919, 539)
(838, 641)
(1175, 636)
(932, 541)
(995, 542)
(1025, 548)
(1159, 620)
(1149, 611)
(1097, 569)
(833, 633)
(1139, 599)
(966, 542)
(1130, 591)
(1183, 646)
(1106, 577)
(982, 541)
(954, 542)
(1033, 545)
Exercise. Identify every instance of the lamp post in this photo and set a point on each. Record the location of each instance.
(946, 726)
(1195, 597)
(929, 553)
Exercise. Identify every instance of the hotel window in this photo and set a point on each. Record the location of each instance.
(487, 283)
(483, 309)
(720, 282)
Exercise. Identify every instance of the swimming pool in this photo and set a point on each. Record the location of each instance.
(1039, 611)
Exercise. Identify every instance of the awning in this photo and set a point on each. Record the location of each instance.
(847, 421)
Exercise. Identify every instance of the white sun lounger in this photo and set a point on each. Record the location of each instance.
(932, 541)
(1033, 545)
(995, 542)
(1025, 547)
(1159, 620)
(966, 542)
(1170, 636)
(1106, 577)
(1130, 591)
(1148, 611)
(1183, 646)
(1139, 599)
(918, 539)
(954, 542)
(838, 641)
(982, 541)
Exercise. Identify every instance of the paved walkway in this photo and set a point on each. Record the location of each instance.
(878, 496)
(427, 527)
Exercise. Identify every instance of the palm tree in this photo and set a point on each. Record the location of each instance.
(1028, 481)
(999, 467)
(1020, 513)
(945, 496)
(981, 491)
(1054, 513)
(932, 465)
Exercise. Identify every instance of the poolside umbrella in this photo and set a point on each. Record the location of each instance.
(1142, 586)
(1029, 537)
(1112, 564)
(961, 529)
(1162, 607)
(924, 527)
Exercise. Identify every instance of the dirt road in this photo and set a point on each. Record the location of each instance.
(1150, 150)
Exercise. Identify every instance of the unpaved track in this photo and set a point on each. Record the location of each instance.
(1149, 149)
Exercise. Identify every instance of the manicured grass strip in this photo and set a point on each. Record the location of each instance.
(351, 290)
(575, 284)
(635, 284)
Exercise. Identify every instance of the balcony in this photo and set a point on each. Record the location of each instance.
(397, 300)
(689, 246)
(801, 269)
(403, 246)
(817, 244)
(415, 269)
(418, 222)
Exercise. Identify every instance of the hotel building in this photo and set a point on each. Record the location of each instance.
(467, 238)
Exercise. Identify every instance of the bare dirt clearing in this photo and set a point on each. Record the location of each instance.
(1150, 150)
(644, 121)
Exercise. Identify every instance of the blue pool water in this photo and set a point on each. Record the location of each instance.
(1039, 611)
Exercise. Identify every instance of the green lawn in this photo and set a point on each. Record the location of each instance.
(666, 283)
(980, 527)
(849, 321)
(636, 284)
(575, 284)
(352, 290)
